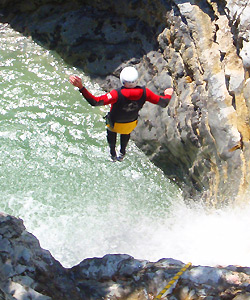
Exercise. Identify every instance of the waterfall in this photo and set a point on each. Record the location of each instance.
(56, 175)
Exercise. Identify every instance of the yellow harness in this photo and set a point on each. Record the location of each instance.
(123, 128)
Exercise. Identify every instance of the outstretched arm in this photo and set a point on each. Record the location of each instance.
(109, 98)
(163, 101)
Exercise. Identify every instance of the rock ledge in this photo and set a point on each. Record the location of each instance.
(29, 272)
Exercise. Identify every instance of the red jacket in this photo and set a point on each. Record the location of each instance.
(132, 94)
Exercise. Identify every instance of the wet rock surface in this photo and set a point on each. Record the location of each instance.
(201, 48)
(29, 272)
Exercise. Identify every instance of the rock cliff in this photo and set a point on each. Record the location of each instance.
(29, 272)
(201, 48)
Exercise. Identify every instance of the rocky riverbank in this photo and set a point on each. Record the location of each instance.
(29, 272)
(201, 48)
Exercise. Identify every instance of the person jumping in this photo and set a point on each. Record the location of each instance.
(126, 102)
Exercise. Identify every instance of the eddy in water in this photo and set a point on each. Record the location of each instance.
(126, 102)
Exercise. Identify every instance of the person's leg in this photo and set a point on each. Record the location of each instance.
(111, 138)
(124, 139)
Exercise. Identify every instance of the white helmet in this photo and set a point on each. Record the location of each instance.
(128, 77)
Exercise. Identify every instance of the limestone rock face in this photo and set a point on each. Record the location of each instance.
(205, 130)
(29, 272)
(201, 48)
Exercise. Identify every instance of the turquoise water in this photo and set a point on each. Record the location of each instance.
(55, 174)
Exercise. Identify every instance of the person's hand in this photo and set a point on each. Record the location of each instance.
(169, 91)
(76, 81)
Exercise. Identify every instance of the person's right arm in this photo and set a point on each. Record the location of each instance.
(163, 101)
(105, 99)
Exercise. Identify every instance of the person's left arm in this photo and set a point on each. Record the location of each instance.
(109, 98)
(162, 101)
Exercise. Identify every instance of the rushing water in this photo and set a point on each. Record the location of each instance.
(56, 175)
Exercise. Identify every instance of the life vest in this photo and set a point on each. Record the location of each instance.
(124, 114)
